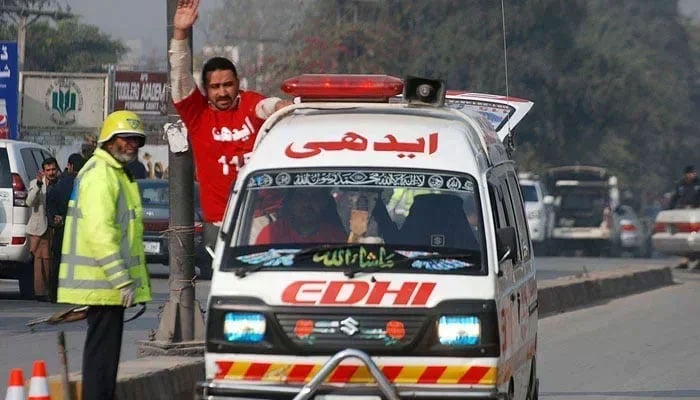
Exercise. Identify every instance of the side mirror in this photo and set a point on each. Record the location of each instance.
(506, 243)
(548, 199)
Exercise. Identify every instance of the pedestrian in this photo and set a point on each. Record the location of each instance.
(102, 261)
(686, 194)
(39, 231)
(57, 197)
(222, 121)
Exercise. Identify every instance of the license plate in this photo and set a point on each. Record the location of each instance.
(345, 397)
(151, 247)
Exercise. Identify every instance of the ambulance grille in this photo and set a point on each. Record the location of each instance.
(338, 331)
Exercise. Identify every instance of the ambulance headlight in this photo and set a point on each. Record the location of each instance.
(244, 327)
(459, 330)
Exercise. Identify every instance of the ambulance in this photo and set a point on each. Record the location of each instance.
(375, 246)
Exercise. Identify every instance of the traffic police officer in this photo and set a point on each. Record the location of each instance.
(102, 261)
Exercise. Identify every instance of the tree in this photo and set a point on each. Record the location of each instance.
(11, 11)
(615, 84)
(68, 46)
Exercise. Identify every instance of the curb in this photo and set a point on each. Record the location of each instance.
(569, 293)
(175, 377)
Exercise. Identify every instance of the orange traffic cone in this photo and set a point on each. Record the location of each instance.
(39, 384)
(15, 387)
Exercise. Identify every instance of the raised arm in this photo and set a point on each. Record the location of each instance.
(181, 77)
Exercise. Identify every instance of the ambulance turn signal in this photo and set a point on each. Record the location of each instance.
(343, 87)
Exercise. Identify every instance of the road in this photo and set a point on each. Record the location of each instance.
(645, 346)
(19, 347)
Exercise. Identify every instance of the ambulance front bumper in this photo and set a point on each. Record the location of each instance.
(318, 388)
(220, 390)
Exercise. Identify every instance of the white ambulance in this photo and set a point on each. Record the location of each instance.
(375, 247)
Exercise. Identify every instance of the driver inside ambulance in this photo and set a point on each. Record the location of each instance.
(308, 215)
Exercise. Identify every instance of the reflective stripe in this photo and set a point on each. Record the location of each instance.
(74, 212)
(120, 280)
(71, 282)
(115, 269)
(108, 259)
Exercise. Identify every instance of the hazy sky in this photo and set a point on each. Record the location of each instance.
(133, 19)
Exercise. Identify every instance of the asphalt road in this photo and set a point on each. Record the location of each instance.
(645, 346)
(19, 347)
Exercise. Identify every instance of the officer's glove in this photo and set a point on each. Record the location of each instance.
(128, 293)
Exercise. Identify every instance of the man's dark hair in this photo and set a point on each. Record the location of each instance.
(49, 161)
(77, 161)
(689, 169)
(217, 64)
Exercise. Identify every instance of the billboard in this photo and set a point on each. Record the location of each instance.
(9, 90)
(141, 92)
(63, 101)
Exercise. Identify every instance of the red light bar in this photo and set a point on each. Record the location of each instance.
(320, 86)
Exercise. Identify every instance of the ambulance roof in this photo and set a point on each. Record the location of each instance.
(376, 135)
(345, 120)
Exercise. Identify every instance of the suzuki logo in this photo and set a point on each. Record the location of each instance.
(349, 326)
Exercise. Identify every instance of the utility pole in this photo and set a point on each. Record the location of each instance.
(23, 22)
(181, 328)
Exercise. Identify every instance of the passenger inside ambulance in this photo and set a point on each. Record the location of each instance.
(307, 216)
(433, 220)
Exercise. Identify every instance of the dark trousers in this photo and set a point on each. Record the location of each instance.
(56, 246)
(103, 345)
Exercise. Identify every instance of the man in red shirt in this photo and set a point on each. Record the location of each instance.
(303, 220)
(222, 123)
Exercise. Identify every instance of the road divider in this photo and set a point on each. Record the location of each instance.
(572, 292)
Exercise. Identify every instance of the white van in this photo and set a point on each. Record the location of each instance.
(19, 164)
(538, 208)
(322, 290)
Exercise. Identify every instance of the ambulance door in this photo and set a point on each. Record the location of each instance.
(506, 300)
(523, 280)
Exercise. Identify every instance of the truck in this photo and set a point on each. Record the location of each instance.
(584, 198)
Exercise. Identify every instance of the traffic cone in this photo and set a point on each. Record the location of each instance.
(39, 384)
(15, 387)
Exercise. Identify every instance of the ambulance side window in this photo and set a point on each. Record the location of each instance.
(502, 207)
(499, 215)
(510, 215)
(517, 202)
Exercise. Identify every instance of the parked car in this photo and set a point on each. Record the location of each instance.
(677, 233)
(19, 164)
(538, 208)
(630, 234)
(155, 198)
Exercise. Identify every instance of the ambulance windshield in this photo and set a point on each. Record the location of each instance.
(360, 217)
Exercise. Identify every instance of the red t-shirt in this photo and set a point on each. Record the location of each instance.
(281, 231)
(219, 140)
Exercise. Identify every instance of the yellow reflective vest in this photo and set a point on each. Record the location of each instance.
(103, 238)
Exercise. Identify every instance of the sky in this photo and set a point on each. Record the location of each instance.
(127, 20)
